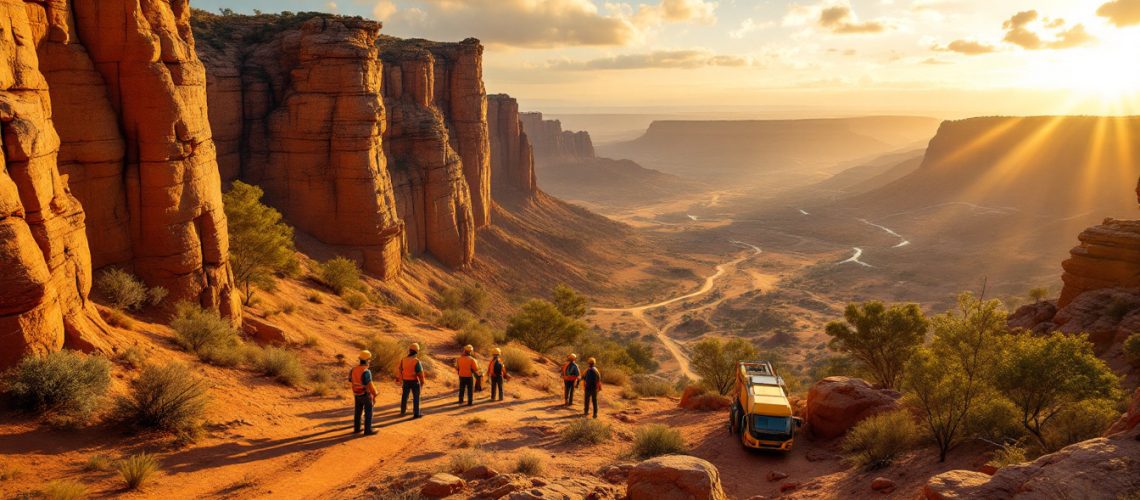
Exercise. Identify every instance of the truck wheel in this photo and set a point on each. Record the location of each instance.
(732, 421)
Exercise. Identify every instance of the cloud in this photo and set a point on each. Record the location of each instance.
(1025, 29)
(676, 59)
(834, 16)
(968, 47)
(537, 24)
(747, 26)
(1121, 13)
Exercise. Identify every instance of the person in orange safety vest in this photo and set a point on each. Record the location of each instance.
(468, 369)
(364, 393)
(411, 373)
(570, 374)
(497, 372)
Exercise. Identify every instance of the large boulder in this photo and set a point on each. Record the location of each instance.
(675, 477)
(697, 398)
(836, 404)
(442, 485)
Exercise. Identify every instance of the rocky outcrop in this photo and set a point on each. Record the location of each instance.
(675, 477)
(1108, 257)
(512, 156)
(44, 250)
(553, 144)
(835, 404)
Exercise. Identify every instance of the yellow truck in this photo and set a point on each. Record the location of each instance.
(761, 413)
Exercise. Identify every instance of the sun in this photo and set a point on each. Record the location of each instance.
(1104, 77)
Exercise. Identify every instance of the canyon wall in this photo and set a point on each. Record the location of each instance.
(512, 156)
(1107, 257)
(553, 144)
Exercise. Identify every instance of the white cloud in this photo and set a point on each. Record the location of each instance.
(747, 26)
(835, 16)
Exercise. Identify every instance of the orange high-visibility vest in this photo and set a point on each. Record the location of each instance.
(467, 366)
(566, 376)
(408, 368)
(357, 378)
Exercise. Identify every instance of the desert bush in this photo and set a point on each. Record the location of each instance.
(569, 302)
(204, 333)
(136, 470)
(615, 376)
(66, 384)
(651, 386)
(98, 463)
(64, 489)
(530, 463)
(116, 317)
(121, 289)
(455, 318)
(315, 297)
(355, 299)
(479, 335)
(1008, 454)
(716, 361)
(166, 397)
(464, 460)
(1084, 420)
(341, 274)
(472, 298)
(386, 354)
(1132, 350)
(994, 418)
(642, 356)
(260, 242)
(412, 310)
(586, 431)
(880, 338)
(877, 440)
(655, 440)
(542, 327)
(1038, 294)
(518, 361)
(281, 364)
(134, 356)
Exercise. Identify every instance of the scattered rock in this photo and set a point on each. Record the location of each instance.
(617, 473)
(442, 485)
(675, 476)
(882, 484)
(480, 472)
(774, 476)
(786, 487)
(836, 404)
(262, 331)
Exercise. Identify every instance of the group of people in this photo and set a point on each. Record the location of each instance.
(410, 373)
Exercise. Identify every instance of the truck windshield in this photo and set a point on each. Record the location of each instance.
(771, 425)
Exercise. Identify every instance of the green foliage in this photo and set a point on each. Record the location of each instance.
(64, 489)
(586, 431)
(542, 327)
(66, 384)
(455, 318)
(1132, 350)
(1044, 376)
(341, 274)
(125, 291)
(994, 418)
(652, 386)
(1008, 454)
(655, 440)
(137, 470)
(166, 397)
(530, 463)
(472, 298)
(614, 356)
(479, 335)
(569, 302)
(1038, 294)
(642, 356)
(355, 299)
(518, 360)
(1080, 421)
(281, 364)
(260, 242)
(716, 361)
(879, 338)
(877, 440)
(206, 334)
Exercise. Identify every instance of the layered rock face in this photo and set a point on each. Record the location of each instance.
(551, 143)
(1108, 257)
(44, 250)
(512, 156)
(300, 114)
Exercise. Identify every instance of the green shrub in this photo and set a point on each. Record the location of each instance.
(1008, 454)
(204, 333)
(472, 298)
(166, 397)
(121, 289)
(260, 242)
(133, 356)
(98, 463)
(281, 364)
(994, 418)
(529, 463)
(615, 376)
(455, 318)
(341, 274)
(1132, 350)
(136, 470)
(586, 431)
(542, 327)
(64, 489)
(464, 460)
(1084, 420)
(716, 361)
(67, 384)
(355, 299)
(479, 335)
(412, 310)
(655, 440)
(879, 439)
(651, 386)
(518, 361)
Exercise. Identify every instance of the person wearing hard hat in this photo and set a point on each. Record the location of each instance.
(570, 374)
(467, 368)
(412, 376)
(592, 379)
(364, 393)
(497, 372)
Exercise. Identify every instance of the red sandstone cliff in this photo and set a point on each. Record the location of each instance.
(553, 144)
(512, 157)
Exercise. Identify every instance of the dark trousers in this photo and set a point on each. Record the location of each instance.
(410, 387)
(591, 395)
(496, 383)
(568, 392)
(363, 407)
(467, 384)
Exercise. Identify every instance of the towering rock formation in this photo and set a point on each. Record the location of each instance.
(512, 157)
(553, 144)
(44, 251)
(1108, 257)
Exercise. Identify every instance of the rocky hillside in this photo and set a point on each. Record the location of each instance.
(553, 144)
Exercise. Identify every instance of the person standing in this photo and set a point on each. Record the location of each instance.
(467, 368)
(592, 379)
(496, 372)
(412, 376)
(364, 393)
(570, 374)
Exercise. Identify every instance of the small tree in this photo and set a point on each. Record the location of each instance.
(1038, 294)
(716, 361)
(570, 302)
(260, 243)
(1044, 376)
(542, 327)
(881, 339)
(341, 274)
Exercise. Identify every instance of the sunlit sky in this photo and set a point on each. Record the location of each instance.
(945, 57)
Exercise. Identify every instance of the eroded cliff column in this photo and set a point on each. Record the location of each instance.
(145, 51)
(512, 157)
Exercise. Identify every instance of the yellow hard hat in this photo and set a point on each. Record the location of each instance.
(414, 347)
(592, 361)
(572, 357)
(497, 351)
(468, 348)
(365, 355)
